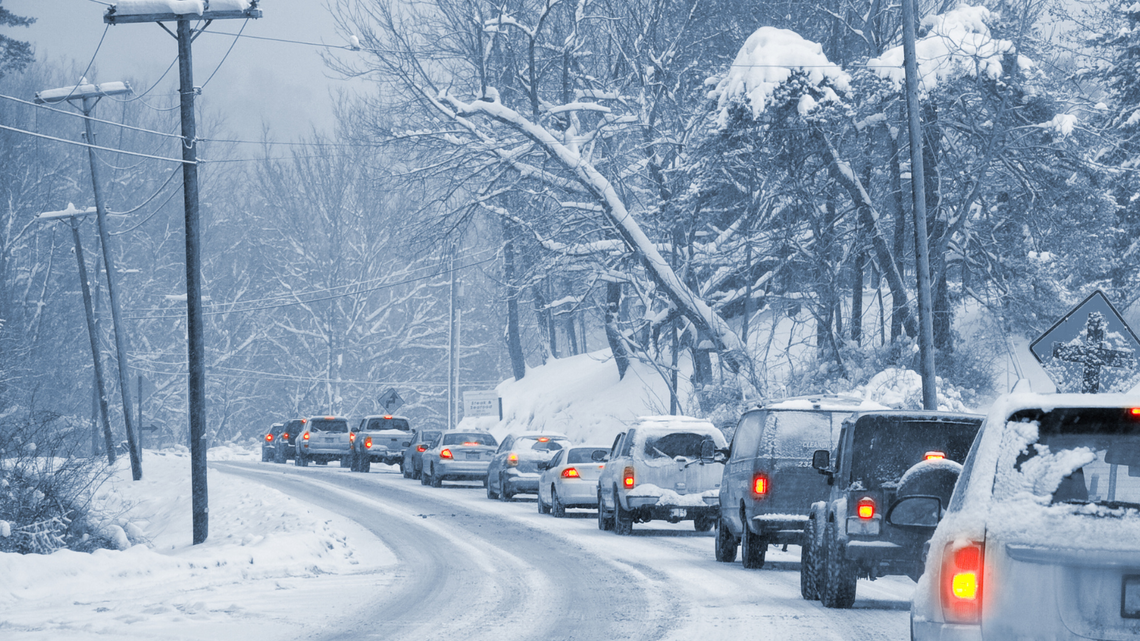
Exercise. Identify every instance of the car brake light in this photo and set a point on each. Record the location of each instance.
(570, 473)
(513, 459)
(934, 456)
(760, 485)
(866, 508)
(285, 436)
(304, 420)
(469, 443)
(268, 438)
(388, 417)
(627, 480)
(305, 436)
(368, 442)
(352, 437)
(1135, 411)
(421, 448)
(329, 418)
(962, 582)
(543, 439)
(445, 453)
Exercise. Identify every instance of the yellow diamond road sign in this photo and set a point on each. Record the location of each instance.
(1090, 350)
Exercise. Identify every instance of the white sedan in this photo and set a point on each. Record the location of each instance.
(1041, 538)
(570, 479)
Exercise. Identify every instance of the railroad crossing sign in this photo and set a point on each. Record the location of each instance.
(1090, 350)
(390, 400)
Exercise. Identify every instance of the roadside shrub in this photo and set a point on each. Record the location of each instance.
(45, 487)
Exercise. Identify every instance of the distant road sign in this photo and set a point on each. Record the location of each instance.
(482, 403)
(1091, 349)
(390, 400)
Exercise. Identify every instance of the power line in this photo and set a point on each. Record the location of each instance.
(142, 222)
(101, 148)
(93, 56)
(223, 61)
(93, 119)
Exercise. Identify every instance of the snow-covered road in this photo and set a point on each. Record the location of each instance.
(472, 568)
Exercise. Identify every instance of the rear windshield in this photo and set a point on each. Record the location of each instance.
(685, 444)
(276, 429)
(790, 434)
(294, 425)
(469, 437)
(883, 448)
(378, 424)
(587, 455)
(538, 443)
(427, 437)
(1084, 455)
(328, 425)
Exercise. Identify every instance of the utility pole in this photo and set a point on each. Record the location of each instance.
(196, 348)
(89, 95)
(453, 352)
(72, 215)
(918, 191)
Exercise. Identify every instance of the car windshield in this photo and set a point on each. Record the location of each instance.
(797, 434)
(388, 423)
(463, 438)
(885, 447)
(587, 455)
(538, 444)
(328, 425)
(1082, 455)
(428, 437)
(687, 444)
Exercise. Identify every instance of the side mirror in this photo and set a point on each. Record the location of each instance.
(543, 465)
(708, 451)
(406, 443)
(917, 512)
(821, 461)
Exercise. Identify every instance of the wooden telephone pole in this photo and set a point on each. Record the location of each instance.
(72, 215)
(918, 191)
(88, 96)
(196, 347)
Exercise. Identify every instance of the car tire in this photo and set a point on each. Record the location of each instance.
(605, 521)
(504, 494)
(490, 493)
(703, 523)
(436, 479)
(753, 549)
(264, 456)
(347, 461)
(366, 464)
(301, 460)
(418, 472)
(623, 521)
(557, 509)
(542, 507)
(726, 543)
(279, 456)
(839, 580)
(810, 562)
(425, 478)
(406, 470)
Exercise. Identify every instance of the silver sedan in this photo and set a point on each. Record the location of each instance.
(570, 479)
(458, 456)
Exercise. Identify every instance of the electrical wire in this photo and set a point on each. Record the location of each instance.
(312, 300)
(93, 56)
(152, 196)
(152, 86)
(223, 60)
(83, 144)
(147, 219)
(92, 118)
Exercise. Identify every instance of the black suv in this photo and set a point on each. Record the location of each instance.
(286, 449)
(882, 459)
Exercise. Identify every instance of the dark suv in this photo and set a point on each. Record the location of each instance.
(269, 443)
(768, 484)
(286, 449)
(882, 458)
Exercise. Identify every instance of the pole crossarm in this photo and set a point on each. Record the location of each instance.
(79, 92)
(111, 18)
(70, 212)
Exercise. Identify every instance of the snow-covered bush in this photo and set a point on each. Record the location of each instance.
(45, 488)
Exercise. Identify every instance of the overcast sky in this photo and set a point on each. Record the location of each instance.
(284, 86)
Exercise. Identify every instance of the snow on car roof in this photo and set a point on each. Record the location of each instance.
(672, 423)
(826, 403)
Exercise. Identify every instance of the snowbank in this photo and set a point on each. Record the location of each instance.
(582, 397)
(902, 389)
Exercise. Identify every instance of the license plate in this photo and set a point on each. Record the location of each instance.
(1130, 597)
(678, 512)
(472, 456)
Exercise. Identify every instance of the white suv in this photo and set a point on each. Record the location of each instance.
(1041, 538)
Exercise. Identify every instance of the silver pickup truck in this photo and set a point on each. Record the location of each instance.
(663, 468)
(324, 439)
(381, 439)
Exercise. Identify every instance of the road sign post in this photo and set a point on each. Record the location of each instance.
(1092, 344)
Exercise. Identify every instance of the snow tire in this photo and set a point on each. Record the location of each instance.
(753, 549)
(838, 590)
(623, 521)
(436, 480)
(726, 543)
(810, 562)
(557, 509)
(605, 522)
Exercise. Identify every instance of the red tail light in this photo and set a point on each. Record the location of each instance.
(866, 508)
(446, 453)
(1135, 411)
(388, 417)
(305, 436)
(627, 480)
(961, 578)
(304, 420)
(760, 485)
(329, 418)
(570, 473)
(368, 442)
(544, 439)
(285, 436)
(513, 459)
(934, 456)
(268, 438)
(421, 448)
(352, 437)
